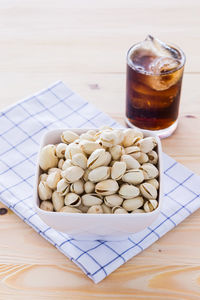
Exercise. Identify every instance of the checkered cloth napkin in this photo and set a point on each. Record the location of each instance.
(21, 128)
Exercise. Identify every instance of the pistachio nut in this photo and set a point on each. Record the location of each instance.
(67, 163)
(106, 209)
(91, 199)
(134, 151)
(71, 150)
(80, 160)
(99, 174)
(132, 204)
(60, 150)
(148, 190)
(63, 187)
(149, 171)
(48, 158)
(73, 174)
(133, 176)
(107, 187)
(116, 152)
(86, 136)
(108, 158)
(138, 211)
(77, 187)
(53, 179)
(150, 205)
(97, 159)
(153, 157)
(46, 205)
(89, 146)
(131, 162)
(119, 210)
(69, 136)
(143, 158)
(129, 137)
(43, 177)
(108, 138)
(61, 163)
(154, 182)
(91, 132)
(118, 169)
(120, 135)
(128, 191)
(52, 170)
(72, 199)
(83, 208)
(95, 209)
(58, 201)
(147, 144)
(89, 187)
(69, 209)
(113, 200)
(44, 191)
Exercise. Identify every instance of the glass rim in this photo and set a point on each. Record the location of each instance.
(131, 65)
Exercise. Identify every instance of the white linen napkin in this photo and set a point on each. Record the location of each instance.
(21, 127)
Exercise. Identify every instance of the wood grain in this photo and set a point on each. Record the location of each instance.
(84, 43)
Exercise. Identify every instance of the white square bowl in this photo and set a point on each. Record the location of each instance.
(109, 227)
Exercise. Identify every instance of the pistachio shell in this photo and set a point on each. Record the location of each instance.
(134, 151)
(43, 177)
(89, 187)
(89, 147)
(48, 158)
(154, 182)
(131, 162)
(95, 209)
(80, 160)
(83, 208)
(118, 169)
(108, 138)
(128, 191)
(91, 199)
(58, 201)
(63, 187)
(73, 174)
(150, 205)
(61, 163)
(60, 150)
(108, 158)
(107, 187)
(72, 199)
(91, 132)
(53, 179)
(85, 175)
(133, 176)
(129, 137)
(120, 135)
(96, 159)
(153, 157)
(44, 191)
(143, 158)
(69, 136)
(52, 170)
(149, 171)
(147, 144)
(113, 200)
(99, 174)
(67, 163)
(69, 209)
(116, 152)
(132, 204)
(138, 211)
(106, 209)
(71, 150)
(119, 210)
(46, 205)
(77, 187)
(87, 136)
(148, 190)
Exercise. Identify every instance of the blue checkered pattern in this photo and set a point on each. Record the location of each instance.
(21, 127)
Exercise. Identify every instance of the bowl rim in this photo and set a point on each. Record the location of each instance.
(83, 215)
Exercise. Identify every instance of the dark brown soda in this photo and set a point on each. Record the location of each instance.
(152, 101)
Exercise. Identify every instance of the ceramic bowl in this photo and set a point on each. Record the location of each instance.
(110, 227)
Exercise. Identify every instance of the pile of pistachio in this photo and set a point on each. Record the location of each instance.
(100, 171)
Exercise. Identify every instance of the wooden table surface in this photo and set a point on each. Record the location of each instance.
(84, 43)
